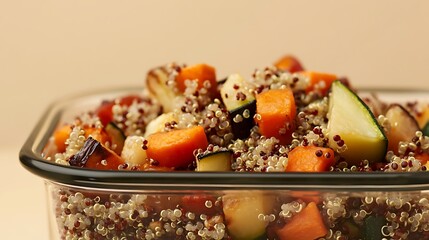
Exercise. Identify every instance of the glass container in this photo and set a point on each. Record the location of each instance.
(97, 204)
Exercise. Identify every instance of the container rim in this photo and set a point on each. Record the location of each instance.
(31, 158)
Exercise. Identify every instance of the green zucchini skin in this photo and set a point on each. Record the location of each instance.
(241, 212)
(372, 227)
(240, 103)
(425, 129)
(352, 120)
(214, 161)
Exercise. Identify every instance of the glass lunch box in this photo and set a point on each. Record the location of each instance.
(102, 204)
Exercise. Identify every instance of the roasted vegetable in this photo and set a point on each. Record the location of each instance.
(201, 73)
(200, 203)
(421, 113)
(351, 123)
(117, 137)
(158, 124)
(289, 63)
(241, 105)
(319, 82)
(372, 227)
(425, 129)
(306, 225)
(276, 112)
(176, 148)
(94, 155)
(242, 213)
(133, 151)
(156, 82)
(61, 135)
(310, 159)
(105, 112)
(403, 126)
(219, 161)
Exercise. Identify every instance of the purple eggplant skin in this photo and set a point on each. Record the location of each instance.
(241, 129)
(81, 158)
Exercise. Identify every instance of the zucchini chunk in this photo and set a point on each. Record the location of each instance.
(403, 126)
(240, 103)
(353, 124)
(219, 161)
(372, 227)
(243, 213)
(117, 137)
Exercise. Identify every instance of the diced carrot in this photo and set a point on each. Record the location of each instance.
(60, 136)
(289, 63)
(175, 148)
(422, 116)
(112, 159)
(199, 73)
(306, 196)
(423, 158)
(197, 203)
(306, 225)
(320, 82)
(158, 202)
(148, 167)
(276, 111)
(94, 155)
(63, 133)
(97, 134)
(310, 159)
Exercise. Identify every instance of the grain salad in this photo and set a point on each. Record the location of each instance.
(282, 118)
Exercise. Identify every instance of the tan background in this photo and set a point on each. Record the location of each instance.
(55, 48)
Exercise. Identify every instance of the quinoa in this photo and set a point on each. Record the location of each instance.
(74, 144)
(258, 154)
(171, 214)
(127, 216)
(133, 119)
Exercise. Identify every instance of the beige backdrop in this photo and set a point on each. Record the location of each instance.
(51, 48)
(55, 48)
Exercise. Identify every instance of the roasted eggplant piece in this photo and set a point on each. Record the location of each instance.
(241, 105)
(94, 155)
(242, 120)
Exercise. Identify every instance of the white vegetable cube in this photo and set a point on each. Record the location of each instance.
(158, 124)
(133, 152)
